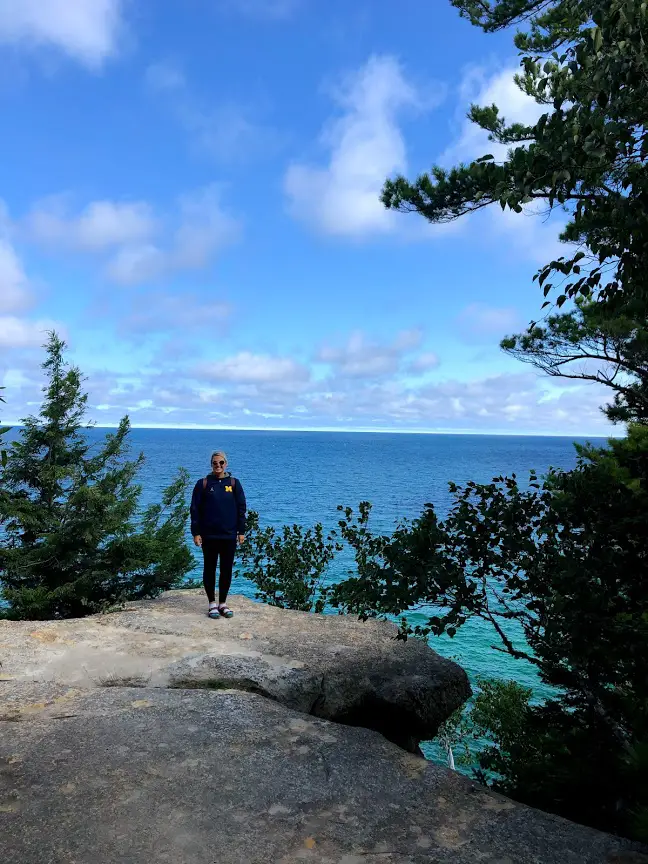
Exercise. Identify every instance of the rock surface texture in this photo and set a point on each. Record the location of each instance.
(157, 735)
(329, 666)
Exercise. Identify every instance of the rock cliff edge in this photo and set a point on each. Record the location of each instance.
(156, 735)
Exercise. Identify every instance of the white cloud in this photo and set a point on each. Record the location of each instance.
(479, 322)
(248, 368)
(15, 378)
(135, 265)
(423, 363)
(366, 146)
(156, 312)
(224, 131)
(520, 403)
(513, 403)
(16, 296)
(21, 333)
(407, 340)
(481, 89)
(101, 225)
(86, 30)
(141, 246)
(14, 285)
(247, 389)
(529, 235)
(362, 358)
(204, 229)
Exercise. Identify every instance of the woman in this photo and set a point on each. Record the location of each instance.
(217, 525)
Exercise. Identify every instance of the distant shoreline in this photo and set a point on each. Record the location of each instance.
(275, 429)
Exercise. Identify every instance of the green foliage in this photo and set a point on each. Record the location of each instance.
(499, 713)
(514, 746)
(530, 554)
(586, 62)
(3, 430)
(557, 567)
(561, 563)
(488, 728)
(288, 567)
(74, 538)
(591, 343)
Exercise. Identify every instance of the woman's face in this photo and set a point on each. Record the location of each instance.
(218, 464)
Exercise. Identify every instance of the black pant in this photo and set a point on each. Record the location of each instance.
(211, 550)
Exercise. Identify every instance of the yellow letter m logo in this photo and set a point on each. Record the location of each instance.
(228, 488)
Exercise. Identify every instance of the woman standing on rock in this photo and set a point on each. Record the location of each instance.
(217, 525)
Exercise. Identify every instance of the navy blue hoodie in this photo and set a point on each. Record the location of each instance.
(218, 511)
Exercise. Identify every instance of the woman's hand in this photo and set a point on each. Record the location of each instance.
(241, 539)
(198, 540)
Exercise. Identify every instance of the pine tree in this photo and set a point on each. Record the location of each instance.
(3, 453)
(74, 538)
(564, 557)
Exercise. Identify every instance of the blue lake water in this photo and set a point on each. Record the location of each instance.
(302, 477)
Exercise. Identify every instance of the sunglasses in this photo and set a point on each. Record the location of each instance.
(217, 462)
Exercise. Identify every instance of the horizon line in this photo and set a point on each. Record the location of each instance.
(359, 431)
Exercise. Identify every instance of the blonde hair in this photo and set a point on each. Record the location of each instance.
(218, 453)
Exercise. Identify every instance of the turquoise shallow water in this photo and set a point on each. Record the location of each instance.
(302, 477)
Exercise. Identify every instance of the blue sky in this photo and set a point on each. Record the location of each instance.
(190, 196)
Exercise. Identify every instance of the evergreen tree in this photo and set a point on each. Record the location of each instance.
(563, 560)
(74, 540)
(558, 568)
(586, 62)
(592, 343)
(3, 452)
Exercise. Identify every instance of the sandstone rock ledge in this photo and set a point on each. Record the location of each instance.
(329, 666)
(95, 769)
